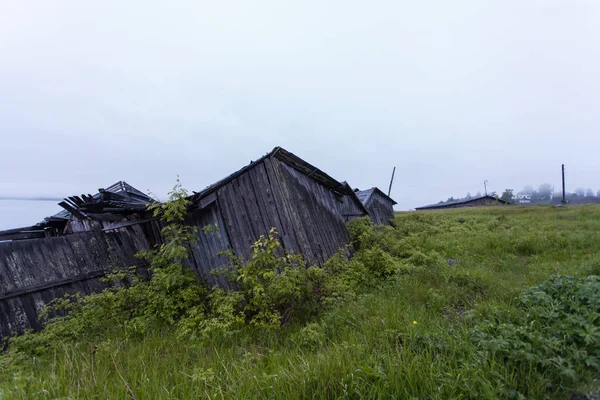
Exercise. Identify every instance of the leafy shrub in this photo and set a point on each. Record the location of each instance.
(357, 227)
(554, 331)
(310, 337)
(378, 262)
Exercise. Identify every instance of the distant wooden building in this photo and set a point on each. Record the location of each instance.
(71, 251)
(472, 202)
(379, 205)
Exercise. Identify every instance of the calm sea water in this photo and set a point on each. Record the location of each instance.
(20, 213)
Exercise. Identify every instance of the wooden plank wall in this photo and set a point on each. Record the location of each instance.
(250, 207)
(350, 209)
(316, 214)
(380, 209)
(35, 272)
(205, 252)
(308, 216)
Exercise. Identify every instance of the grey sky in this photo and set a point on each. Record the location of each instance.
(451, 93)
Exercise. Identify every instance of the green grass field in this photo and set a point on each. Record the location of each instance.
(461, 316)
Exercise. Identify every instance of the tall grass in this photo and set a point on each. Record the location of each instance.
(457, 276)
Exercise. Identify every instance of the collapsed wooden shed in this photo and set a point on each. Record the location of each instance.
(117, 203)
(307, 207)
(379, 205)
(95, 234)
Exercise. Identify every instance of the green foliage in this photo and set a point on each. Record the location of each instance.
(554, 331)
(507, 195)
(491, 303)
(357, 227)
(275, 288)
(208, 229)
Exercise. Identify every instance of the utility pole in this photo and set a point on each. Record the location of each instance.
(485, 186)
(564, 199)
(391, 182)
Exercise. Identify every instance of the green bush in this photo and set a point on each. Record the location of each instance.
(553, 331)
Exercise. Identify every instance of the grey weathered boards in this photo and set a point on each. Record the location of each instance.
(379, 205)
(35, 272)
(307, 207)
(115, 204)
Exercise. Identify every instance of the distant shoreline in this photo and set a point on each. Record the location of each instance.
(30, 198)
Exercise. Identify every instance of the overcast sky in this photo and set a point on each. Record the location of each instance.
(450, 92)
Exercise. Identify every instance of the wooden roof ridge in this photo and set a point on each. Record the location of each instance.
(289, 159)
(365, 195)
(376, 189)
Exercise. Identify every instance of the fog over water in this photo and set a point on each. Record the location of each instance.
(451, 93)
(20, 213)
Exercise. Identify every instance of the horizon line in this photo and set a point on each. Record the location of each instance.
(31, 198)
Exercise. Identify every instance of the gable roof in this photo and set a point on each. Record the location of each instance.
(289, 159)
(462, 201)
(365, 195)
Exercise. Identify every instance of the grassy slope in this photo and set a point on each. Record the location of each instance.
(407, 340)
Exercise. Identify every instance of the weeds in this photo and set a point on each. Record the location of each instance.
(483, 303)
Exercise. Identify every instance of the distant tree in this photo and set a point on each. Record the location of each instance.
(450, 199)
(598, 194)
(507, 195)
(528, 189)
(535, 196)
(580, 192)
(468, 197)
(589, 193)
(478, 194)
(545, 191)
(493, 194)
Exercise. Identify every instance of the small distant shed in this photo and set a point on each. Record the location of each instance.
(472, 202)
(379, 205)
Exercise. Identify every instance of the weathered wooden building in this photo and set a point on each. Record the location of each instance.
(306, 206)
(95, 234)
(379, 205)
(472, 202)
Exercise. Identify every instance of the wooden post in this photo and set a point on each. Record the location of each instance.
(564, 199)
(391, 182)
